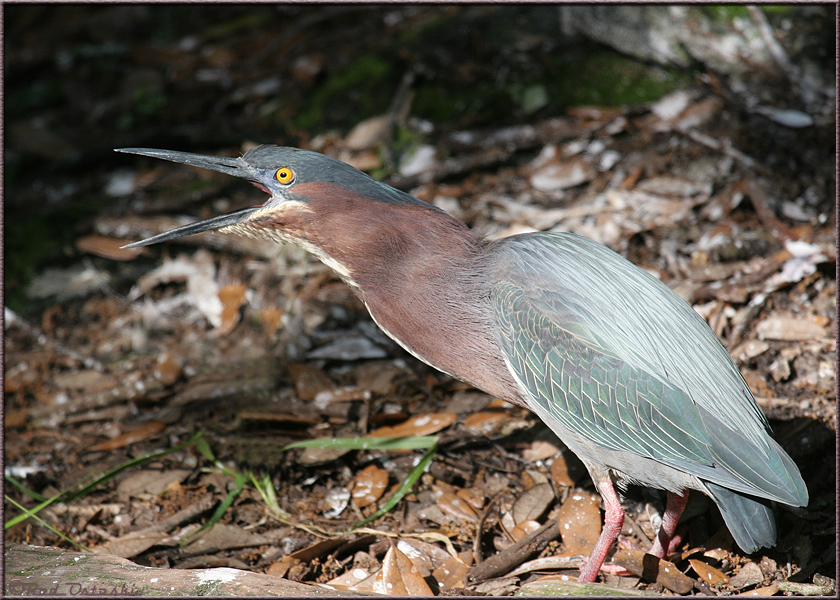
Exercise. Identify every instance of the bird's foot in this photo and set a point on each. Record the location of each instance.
(610, 569)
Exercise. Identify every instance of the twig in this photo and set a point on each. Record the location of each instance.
(773, 46)
(780, 56)
(478, 555)
(726, 148)
(504, 561)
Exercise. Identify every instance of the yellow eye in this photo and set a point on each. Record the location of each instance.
(284, 175)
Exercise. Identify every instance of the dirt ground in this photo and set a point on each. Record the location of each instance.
(186, 368)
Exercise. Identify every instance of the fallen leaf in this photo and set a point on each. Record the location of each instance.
(770, 590)
(271, 318)
(308, 381)
(107, 247)
(558, 175)
(133, 544)
(750, 574)
(353, 579)
(580, 522)
(369, 486)
(567, 469)
(531, 505)
(232, 298)
(367, 133)
(417, 426)
(425, 555)
(485, 422)
(789, 329)
(167, 369)
(749, 350)
(524, 529)
(708, 573)
(223, 537)
(651, 568)
(450, 504)
(473, 497)
(540, 450)
(451, 575)
(149, 481)
(564, 585)
(399, 577)
(138, 434)
(282, 566)
(345, 393)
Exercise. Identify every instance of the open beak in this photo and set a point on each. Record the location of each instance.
(230, 166)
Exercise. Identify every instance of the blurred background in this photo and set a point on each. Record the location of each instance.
(82, 80)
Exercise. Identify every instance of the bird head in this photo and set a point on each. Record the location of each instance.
(299, 183)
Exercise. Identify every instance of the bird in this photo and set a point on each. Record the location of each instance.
(623, 370)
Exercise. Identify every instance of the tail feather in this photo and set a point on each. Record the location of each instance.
(750, 520)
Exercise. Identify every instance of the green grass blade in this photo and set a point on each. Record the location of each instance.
(239, 481)
(68, 496)
(368, 443)
(34, 495)
(405, 486)
(265, 487)
(29, 513)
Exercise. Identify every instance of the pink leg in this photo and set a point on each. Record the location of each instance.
(613, 520)
(673, 509)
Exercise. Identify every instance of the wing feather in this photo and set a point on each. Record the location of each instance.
(615, 356)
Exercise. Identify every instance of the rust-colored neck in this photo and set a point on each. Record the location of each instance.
(418, 271)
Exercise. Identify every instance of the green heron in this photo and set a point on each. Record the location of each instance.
(624, 371)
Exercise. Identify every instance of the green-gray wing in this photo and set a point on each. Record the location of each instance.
(616, 357)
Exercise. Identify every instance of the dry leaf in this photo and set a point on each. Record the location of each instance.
(309, 381)
(282, 566)
(345, 393)
(223, 537)
(485, 422)
(399, 577)
(353, 579)
(149, 481)
(750, 574)
(557, 175)
(369, 486)
(473, 497)
(451, 575)
(749, 350)
(540, 450)
(717, 554)
(271, 318)
(524, 529)
(580, 522)
(651, 568)
(425, 555)
(450, 504)
(770, 590)
(531, 505)
(138, 434)
(232, 298)
(107, 247)
(420, 425)
(167, 369)
(567, 469)
(707, 572)
(789, 329)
